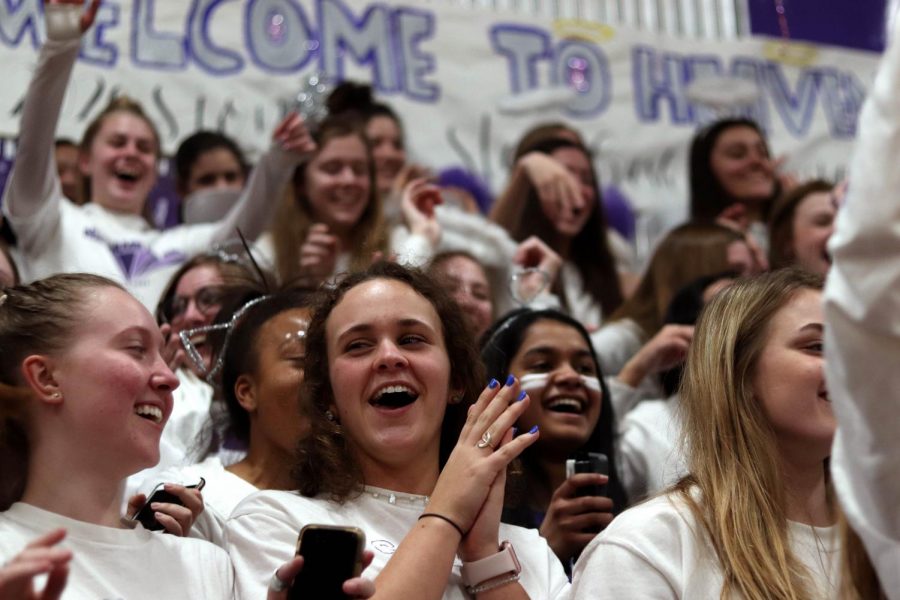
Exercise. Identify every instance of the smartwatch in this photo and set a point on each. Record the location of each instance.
(492, 571)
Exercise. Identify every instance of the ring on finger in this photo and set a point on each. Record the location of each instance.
(485, 441)
(276, 584)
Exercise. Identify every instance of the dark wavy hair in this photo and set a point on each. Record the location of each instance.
(589, 249)
(499, 345)
(325, 464)
(708, 197)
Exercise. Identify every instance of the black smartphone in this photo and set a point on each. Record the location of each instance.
(145, 515)
(331, 555)
(589, 462)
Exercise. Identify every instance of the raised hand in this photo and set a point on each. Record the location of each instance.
(484, 450)
(318, 254)
(667, 349)
(534, 253)
(292, 135)
(557, 189)
(40, 557)
(417, 202)
(62, 22)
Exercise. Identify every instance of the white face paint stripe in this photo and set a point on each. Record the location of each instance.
(534, 381)
(591, 383)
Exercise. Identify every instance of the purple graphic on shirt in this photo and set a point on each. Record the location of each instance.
(136, 260)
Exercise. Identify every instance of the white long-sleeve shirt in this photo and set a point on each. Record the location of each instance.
(57, 236)
(862, 334)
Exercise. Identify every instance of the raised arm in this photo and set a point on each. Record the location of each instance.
(862, 312)
(34, 183)
(252, 213)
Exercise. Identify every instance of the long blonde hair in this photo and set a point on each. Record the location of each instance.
(735, 488)
(294, 216)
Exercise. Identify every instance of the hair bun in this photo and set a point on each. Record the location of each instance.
(350, 96)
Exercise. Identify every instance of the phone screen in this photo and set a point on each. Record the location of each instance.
(331, 555)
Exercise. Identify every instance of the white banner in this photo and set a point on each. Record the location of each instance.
(234, 65)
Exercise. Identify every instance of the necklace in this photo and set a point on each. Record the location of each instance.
(396, 498)
(823, 554)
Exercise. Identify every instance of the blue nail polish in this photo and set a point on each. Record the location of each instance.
(493, 383)
(515, 430)
(510, 380)
(533, 429)
(522, 395)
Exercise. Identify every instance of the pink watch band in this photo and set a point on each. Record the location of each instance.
(505, 562)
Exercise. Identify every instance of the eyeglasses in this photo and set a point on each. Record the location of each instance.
(207, 300)
(189, 335)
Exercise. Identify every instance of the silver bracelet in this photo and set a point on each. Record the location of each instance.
(492, 583)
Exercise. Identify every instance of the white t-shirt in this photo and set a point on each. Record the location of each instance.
(657, 550)
(223, 492)
(650, 457)
(127, 564)
(262, 534)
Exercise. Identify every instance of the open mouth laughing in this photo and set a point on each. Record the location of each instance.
(394, 396)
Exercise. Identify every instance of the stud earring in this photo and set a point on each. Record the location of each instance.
(330, 416)
(56, 395)
(456, 398)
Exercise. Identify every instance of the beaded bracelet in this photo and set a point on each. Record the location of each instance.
(491, 584)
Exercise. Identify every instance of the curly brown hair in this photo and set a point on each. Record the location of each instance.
(325, 464)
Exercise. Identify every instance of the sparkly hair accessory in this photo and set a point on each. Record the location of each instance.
(229, 253)
(189, 337)
(311, 101)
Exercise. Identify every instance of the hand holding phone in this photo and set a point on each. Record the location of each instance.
(146, 516)
(578, 509)
(331, 555)
(589, 462)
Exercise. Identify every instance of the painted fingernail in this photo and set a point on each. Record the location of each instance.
(515, 430)
(522, 395)
(510, 380)
(533, 429)
(493, 383)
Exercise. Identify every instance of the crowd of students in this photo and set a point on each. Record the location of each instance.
(392, 350)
